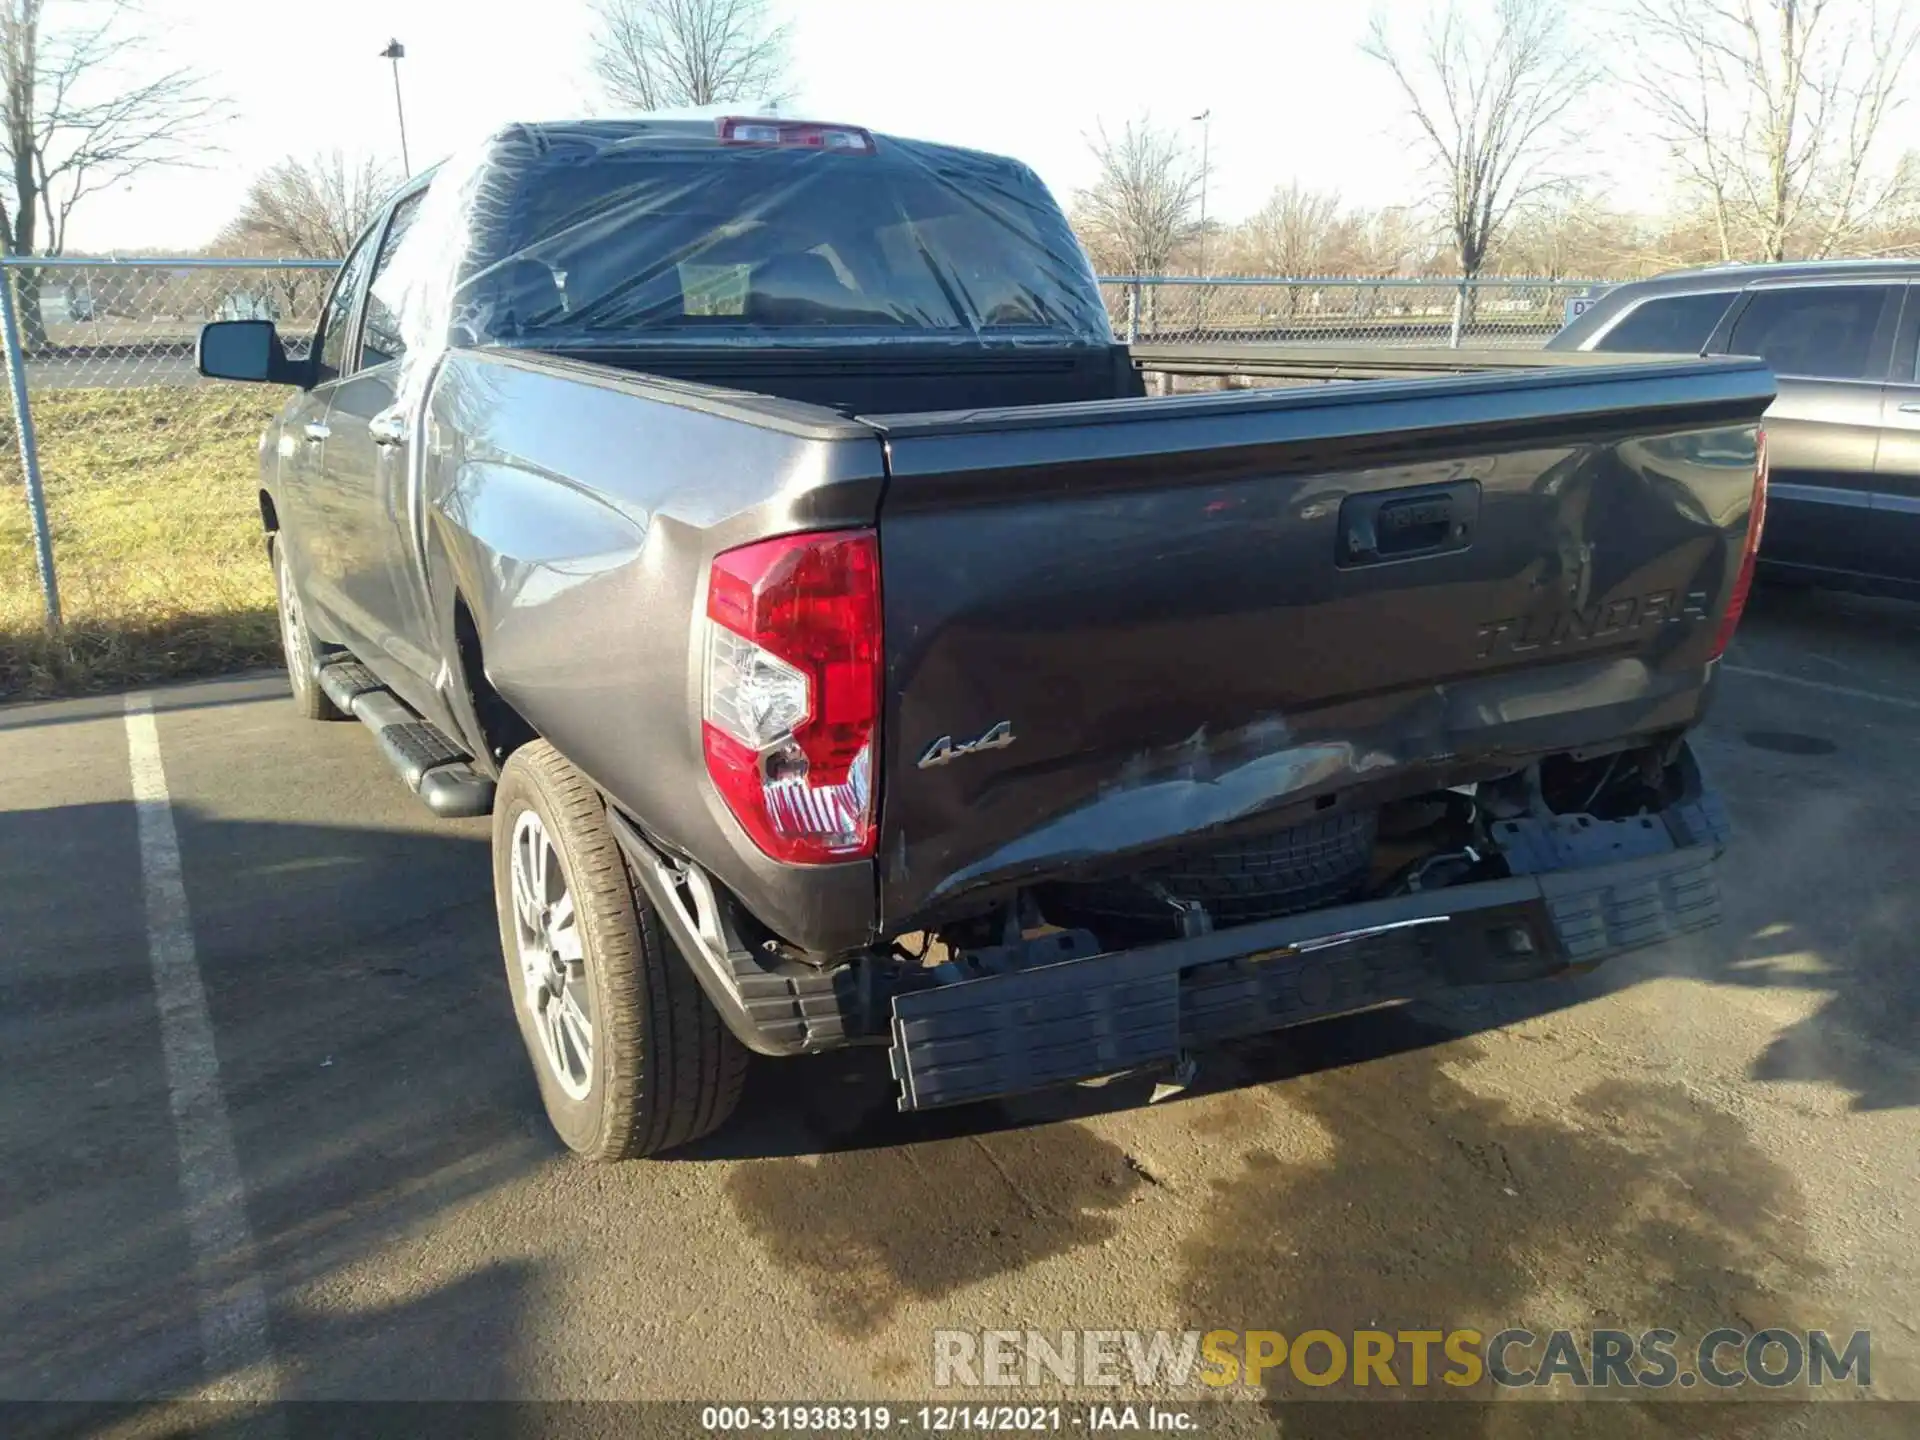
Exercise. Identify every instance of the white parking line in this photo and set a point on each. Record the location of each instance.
(1826, 687)
(232, 1302)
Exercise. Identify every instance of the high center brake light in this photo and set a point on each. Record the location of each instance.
(795, 135)
(792, 710)
(1749, 551)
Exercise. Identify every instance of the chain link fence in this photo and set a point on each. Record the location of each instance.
(115, 325)
(1340, 309)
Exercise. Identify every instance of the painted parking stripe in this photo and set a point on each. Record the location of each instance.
(1827, 687)
(233, 1308)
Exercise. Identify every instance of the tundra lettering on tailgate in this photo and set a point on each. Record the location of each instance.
(1607, 620)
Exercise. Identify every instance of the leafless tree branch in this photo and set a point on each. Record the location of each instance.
(659, 54)
(1775, 112)
(1492, 107)
(309, 208)
(78, 116)
(1141, 205)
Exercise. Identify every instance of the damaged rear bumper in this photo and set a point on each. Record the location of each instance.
(1003, 1034)
(1582, 890)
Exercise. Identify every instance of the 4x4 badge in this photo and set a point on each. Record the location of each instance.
(944, 750)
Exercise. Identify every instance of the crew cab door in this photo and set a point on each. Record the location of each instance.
(1828, 343)
(365, 474)
(308, 522)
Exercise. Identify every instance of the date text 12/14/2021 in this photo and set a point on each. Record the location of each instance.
(945, 1419)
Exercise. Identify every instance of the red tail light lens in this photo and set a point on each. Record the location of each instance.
(794, 134)
(1749, 552)
(793, 692)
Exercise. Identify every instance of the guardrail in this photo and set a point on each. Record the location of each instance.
(81, 322)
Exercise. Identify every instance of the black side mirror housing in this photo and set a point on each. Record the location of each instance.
(247, 350)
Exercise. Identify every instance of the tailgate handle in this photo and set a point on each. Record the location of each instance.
(1405, 524)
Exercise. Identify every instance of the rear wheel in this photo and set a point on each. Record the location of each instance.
(631, 1057)
(297, 643)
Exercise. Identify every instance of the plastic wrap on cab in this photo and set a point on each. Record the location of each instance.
(614, 235)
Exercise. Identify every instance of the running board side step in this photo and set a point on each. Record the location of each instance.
(433, 767)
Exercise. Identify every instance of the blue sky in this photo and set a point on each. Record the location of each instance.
(1024, 77)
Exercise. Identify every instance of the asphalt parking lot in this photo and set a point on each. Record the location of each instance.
(332, 1179)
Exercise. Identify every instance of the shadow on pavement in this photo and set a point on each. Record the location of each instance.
(374, 1081)
(210, 694)
(1438, 1207)
(1434, 1205)
(1428, 1205)
(1820, 899)
(378, 1088)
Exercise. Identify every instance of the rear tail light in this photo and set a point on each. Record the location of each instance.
(1749, 552)
(792, 707)
(795, 135)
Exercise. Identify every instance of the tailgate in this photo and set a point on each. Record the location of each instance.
(1114, 626)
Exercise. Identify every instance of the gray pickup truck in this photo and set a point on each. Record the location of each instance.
(758, 519)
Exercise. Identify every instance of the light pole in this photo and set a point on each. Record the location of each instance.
(396, 52)
(1203, 118)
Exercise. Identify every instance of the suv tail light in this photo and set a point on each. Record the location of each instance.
(1749, 552)
(792, 712)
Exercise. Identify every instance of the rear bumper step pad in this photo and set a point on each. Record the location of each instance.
(1003, 1034)
(433, 766)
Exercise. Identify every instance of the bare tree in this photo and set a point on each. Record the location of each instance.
(1577, 235)
(1141, 205)
(1491, 104)
(309, 208)
(658, 54)
(1774, 110)
(1300, 232)
(77, 115)
(1398, 240)
(75, 118)
(303, 209)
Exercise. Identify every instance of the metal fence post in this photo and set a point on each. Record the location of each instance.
(29, 452)
(1459, 314)
(1133, 311)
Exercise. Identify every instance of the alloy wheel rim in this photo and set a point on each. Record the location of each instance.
(293, 637)
(552, 956)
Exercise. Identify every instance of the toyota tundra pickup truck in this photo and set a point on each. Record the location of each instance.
(853, 645)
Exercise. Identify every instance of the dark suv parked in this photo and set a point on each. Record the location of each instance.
(1844, 435)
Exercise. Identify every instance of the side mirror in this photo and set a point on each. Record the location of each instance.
(246, 350)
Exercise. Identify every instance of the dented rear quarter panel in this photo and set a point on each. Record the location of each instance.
(574, 509)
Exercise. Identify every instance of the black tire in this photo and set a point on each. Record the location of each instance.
(297, 643)
(663, 1069)
(1321, 862)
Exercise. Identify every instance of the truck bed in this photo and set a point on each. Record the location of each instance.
(1208, 613)
(1113, 627)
